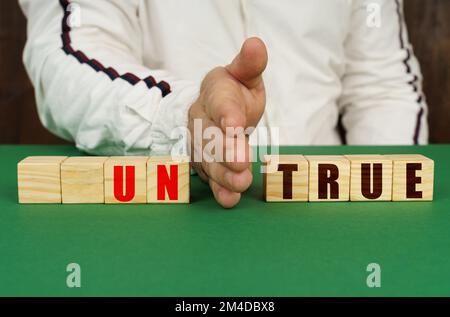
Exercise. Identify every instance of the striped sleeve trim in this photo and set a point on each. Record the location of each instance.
(412, 83)
(97, 66)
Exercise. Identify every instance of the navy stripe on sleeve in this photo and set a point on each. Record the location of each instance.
(98, 66)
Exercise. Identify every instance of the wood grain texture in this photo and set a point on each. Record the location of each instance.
(342, 164)
(183, 182)
(140, 180)
(401, 178)
(39, 179)
(82, 180)
(379, 170)
(274, 181)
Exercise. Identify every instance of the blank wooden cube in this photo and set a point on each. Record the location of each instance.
(370, 178)
(39, 179)
(329, 178)
(285, 178)
(82, 180)
(413, 178)
(125, 180)
(168, 180)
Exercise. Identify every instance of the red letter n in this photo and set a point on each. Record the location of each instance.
(167, 183)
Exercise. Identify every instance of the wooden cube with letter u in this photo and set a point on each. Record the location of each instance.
(285, 178)
(329, 178)
(168, 179)
(125, 180)
(371, 178)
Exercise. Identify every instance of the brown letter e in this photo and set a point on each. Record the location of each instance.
(412, 180)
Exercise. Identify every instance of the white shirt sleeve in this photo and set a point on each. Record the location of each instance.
(91, 86)
(382, 100)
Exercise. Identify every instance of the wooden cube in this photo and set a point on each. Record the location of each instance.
(39, 179)
(125, 180)
(168, 180)
(285, 178)
(329, 178)
(413, 177)
(370, 178)
(82, 180)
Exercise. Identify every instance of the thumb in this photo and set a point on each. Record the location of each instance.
(250, 63)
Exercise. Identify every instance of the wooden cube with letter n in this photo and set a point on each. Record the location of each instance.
(413, 177)
(329, 178)
(39, 179)
(370, 178)
(168, 179)
(125, 180)
(82, 180)
(285, 178)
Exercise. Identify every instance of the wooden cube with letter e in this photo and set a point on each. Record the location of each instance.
(413, 177)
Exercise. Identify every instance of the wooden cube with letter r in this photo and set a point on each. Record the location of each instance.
(329, 178)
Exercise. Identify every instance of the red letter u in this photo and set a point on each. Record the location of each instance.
(129, 183)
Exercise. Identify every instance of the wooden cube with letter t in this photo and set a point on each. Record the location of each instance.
(168, 179)
(125, 180)
(413, 177)
(285, 178)
(370, 178)
(329, 178)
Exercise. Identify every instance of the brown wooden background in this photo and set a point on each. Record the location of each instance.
(429, 26)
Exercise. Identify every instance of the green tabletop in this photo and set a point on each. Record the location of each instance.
(200, 249)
